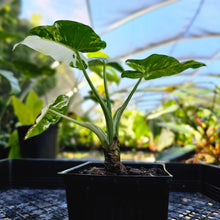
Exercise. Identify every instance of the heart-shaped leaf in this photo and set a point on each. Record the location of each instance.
(63, 39)
(76, 36)
(156, 66)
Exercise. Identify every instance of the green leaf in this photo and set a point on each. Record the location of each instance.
(140, 127)
(165, 139)
(35, 104)
(111, 75)
(116, 65)
(98, 54)
(96, 62)
(47, 117)
(120, 110)
(23, 114)
(175, 152)
(75, 35)
(51, 114)
(132, 74)
(27, 113)
(63, 39)
(15, 88)
(13, 142)
(156, 66)
(96, 65)
(30, 70)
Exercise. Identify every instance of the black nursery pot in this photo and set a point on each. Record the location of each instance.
(116, 197)
(43, 145)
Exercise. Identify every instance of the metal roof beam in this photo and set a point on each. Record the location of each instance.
(167, 42)
(137, 14)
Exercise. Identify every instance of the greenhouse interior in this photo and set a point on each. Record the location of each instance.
(110, 109)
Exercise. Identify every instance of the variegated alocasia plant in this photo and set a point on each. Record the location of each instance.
(68, 41)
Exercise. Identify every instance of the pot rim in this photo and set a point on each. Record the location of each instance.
(71, 170)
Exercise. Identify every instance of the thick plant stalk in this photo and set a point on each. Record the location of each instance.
(112, 161)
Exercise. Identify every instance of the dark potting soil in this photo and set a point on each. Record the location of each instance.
(129, 171)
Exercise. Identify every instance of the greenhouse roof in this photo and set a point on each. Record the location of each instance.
(135, 29)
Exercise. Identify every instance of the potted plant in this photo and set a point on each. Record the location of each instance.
(111, 190)
(43, 145)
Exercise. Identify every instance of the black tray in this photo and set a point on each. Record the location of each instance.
(42, 173)
(202, 178)
(33, 173)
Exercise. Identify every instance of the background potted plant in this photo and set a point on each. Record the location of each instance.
(24, 113)
(108, 192)
(45, 144)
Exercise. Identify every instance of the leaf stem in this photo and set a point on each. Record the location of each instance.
(106, 111)
(119, 112)
(108, 100)
(98, 131)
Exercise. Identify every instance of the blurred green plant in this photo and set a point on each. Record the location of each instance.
(20, 71)
(28, 111)
(193, 119)
(11, 87)
(134, 131)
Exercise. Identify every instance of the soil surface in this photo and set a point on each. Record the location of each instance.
(129, 171)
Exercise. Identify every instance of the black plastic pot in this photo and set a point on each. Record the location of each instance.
(121, 197)
(40, 146)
